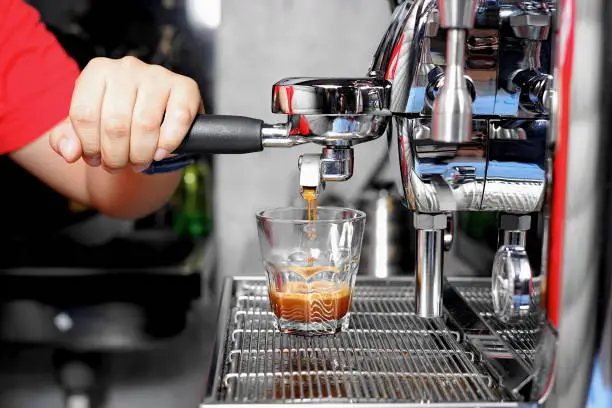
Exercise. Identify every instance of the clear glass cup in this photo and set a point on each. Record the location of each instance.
(311, 266)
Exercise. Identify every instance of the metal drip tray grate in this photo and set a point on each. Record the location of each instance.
(519, 336)
(387, 355)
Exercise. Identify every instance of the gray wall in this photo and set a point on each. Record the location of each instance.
(259, 43)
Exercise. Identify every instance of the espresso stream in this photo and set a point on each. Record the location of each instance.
(310, 195)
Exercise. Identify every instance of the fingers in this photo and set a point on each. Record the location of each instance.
(183, 105)
(146, 120)
(85, 109)
(126, 113)
(116, 123)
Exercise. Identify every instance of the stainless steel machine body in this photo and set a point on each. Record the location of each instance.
(463, 89)
(485, 155)
(481, 116)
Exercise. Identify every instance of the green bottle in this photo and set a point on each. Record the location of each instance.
(192, 202)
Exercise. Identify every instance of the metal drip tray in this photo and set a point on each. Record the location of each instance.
(518, 336)
(388, 355)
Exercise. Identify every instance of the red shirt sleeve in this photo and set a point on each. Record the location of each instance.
(36, 77)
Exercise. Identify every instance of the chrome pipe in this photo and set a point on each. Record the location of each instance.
(518, 238)
(452, 111)
(455, 58)
(514, 229)
(429, 268)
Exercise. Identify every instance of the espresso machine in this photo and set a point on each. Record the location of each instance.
(488, 105)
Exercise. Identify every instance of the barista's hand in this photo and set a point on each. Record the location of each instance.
(126, 113)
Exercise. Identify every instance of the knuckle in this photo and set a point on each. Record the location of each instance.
(117, 126)
(189, 82)
(192, 87)
(54, 134)
(141, 158)
(97, 62)
(146, 123)
(158, 71)
(90, 149)
(113, 164)
(170, 144)
(113, 160)
(83, 115)
(53, 139)
(193, 84)
(130, 61)
(181, 119)
(183, 116)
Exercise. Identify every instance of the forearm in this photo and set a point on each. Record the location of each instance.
(123, 195)
(127, 194)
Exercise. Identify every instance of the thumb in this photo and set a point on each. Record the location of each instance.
(64, 141)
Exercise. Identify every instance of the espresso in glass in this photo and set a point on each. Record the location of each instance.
(311, 264)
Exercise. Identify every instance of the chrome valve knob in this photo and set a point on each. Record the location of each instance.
(512, 283)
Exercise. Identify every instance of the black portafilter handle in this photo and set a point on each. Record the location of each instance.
(213, 134)
(222, 134)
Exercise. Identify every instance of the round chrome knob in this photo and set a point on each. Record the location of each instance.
(512, 282)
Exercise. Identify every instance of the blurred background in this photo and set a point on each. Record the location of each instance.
(96, 312)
